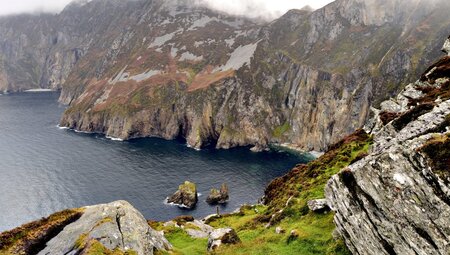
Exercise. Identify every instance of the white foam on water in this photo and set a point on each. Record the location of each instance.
(114, 139)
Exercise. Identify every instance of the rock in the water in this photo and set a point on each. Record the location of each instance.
(318, 205)
(108, 227)
(218, 196)
(186, 195)
(222, 236)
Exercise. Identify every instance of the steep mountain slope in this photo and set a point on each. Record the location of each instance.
(172, 69)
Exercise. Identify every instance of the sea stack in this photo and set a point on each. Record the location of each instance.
(186, 195)
(218, 196)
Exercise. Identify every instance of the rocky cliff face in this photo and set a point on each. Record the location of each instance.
(160, 68)
(397, 199)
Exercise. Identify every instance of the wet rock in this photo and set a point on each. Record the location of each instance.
(222, 236)
(218, 196)
(318, 205)
(114, 226)
(186, 196)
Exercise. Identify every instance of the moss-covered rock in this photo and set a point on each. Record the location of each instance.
(186, 196)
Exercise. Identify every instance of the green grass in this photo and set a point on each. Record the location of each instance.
(183, 243)
(303, 183)
(278, 132)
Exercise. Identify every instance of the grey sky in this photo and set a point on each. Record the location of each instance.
(268, 8)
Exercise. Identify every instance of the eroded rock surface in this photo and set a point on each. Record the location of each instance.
(318, 205)
(117, 226)
(396, 200)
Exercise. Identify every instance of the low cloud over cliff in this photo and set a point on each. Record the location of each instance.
(251, 8)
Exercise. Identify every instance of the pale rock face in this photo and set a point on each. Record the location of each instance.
(318, 205)
(446, 47)
(393, 201)
(115, 225)
(222, 236)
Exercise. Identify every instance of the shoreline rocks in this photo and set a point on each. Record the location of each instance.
(218, 196)
(186, 196)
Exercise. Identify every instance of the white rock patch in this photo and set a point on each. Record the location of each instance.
(125, 76)
(400, 178)
(160, 41)
(189, 56)
(241, 56)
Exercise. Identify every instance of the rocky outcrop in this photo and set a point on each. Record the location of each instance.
(110, 227)
(218, 196)
(446, 47)
(318, 205)
(396, 200)
(114, 228)
(186, 196)
(222, 236)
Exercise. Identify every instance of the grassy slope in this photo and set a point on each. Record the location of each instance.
(303, 183)
(30, 237)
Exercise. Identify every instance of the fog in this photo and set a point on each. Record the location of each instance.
(250, 8)
(269, 9)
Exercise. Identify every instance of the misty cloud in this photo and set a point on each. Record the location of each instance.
(250, 8)
(261, 8)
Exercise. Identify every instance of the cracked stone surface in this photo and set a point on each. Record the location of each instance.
(392, 202)
(117, 225)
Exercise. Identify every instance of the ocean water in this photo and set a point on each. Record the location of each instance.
(44, 169)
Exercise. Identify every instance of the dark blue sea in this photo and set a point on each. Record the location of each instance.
(44, 169)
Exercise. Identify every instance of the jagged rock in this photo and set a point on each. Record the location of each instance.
(218, 196)
(446, 47)
(117, 225)
(395, 200)
(186, 196)
(222, 236)
(318, 205)
(279, 230)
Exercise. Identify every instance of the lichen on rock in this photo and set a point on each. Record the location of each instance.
(396, 200)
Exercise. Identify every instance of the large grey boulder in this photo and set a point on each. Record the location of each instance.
(222, 236)
(318, 205)
(114, 226)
